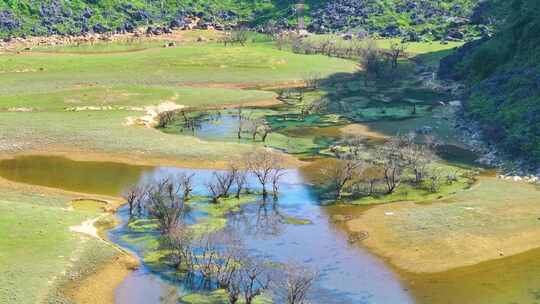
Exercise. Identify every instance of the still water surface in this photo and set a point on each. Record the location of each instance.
(350, 274)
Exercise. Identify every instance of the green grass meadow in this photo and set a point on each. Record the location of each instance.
(37, 249)
(193, 74)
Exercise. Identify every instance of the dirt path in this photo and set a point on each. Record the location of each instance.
(87, 227)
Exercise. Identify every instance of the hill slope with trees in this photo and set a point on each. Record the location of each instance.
(503, 76)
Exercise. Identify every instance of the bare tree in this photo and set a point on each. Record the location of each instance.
(389, 158)
(293, 284)
(342, 172)
(371, 176)
(277, 174)
(280, 39)
(222, 183)
(397, 49)
(222, 258)
(186, 184)
(264, 130)
(240, 182)
(318, 106)
(165, 118)
(253, 128)
(435, 177)
(355, 145)
(416, 157)
(451, 177)
(263, 165)
(208, 255)
(179, 243)
(227, 272)
(165, 205)
(133, 197)
(258, 127)
(240, 123)
(254, 278)
(297, 44)
(239, 35)
(304, 110)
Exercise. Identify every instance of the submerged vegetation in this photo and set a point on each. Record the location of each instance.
(207, 254)
(364, 118)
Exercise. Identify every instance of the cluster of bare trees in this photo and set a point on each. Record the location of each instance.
(266, 167)
(237, 36)
(312, 81)
(371, 60)
(222, 183)
(295, 97)
(331, 45)
(253, 127)
(165, 199)
(165, 118)
(398, 159)
(376, 62)
(220, 260)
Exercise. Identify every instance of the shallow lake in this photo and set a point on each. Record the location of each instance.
(349, 273)
(106, 178)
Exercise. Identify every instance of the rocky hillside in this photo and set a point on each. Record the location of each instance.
(503, 76)
(415, 19)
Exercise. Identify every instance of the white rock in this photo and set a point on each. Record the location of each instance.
(455, 103)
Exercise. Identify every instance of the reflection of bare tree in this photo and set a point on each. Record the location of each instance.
(265, 166)
(293, 283)
(269, 219)
(262, 220)
(170, 295)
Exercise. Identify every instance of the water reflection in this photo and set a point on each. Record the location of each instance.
(105, 178)
(348, 275)
(263, 219)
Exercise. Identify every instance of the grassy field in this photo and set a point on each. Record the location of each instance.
(419, 48)
(187, 64)
(38, 251)
(202, 74)
(129, 97)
